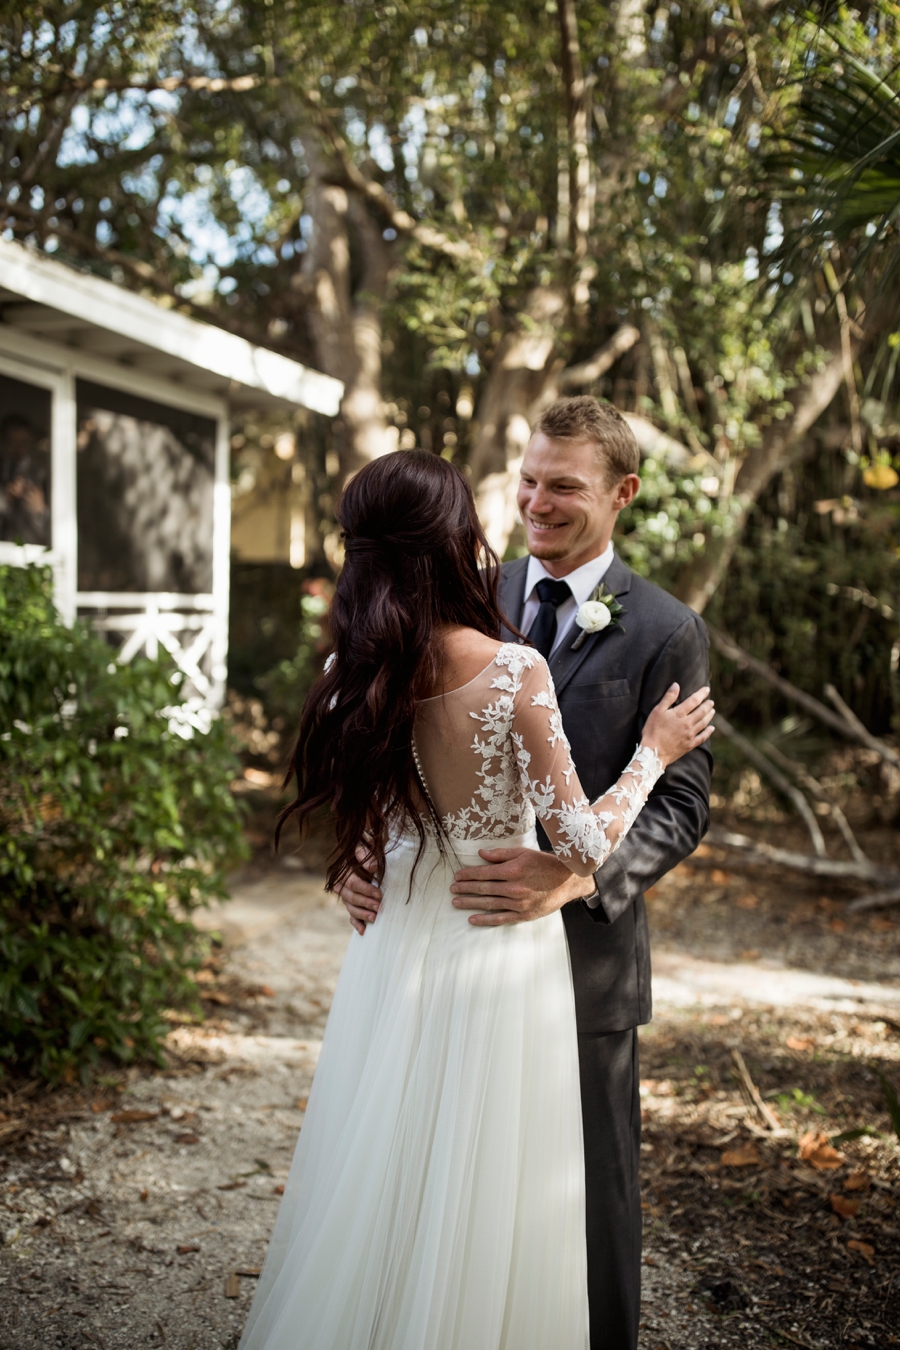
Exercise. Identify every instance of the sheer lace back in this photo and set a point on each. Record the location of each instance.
(493, 756)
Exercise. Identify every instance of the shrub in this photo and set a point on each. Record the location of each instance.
(116, 821)
(286, 685)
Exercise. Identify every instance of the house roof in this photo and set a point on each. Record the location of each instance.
(50, 300)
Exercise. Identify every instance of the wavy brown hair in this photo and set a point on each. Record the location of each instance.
(416, 558)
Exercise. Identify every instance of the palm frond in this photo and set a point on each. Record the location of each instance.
(837, 166)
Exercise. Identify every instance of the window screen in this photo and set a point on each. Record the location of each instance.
(145, 481)
(24, 462)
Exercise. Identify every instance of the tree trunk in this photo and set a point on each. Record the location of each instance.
(521, 381)
(525, 374)
(345, 322)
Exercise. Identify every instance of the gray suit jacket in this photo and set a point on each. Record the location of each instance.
(606, 690)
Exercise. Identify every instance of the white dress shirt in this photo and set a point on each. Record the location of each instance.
(581, 583)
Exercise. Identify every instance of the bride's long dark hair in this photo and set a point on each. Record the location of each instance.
(416, 558)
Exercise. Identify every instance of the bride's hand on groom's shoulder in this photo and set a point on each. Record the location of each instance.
(673, 729)
(362, 899)
(515, 885)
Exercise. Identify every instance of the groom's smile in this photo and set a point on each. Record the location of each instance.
(567, 503)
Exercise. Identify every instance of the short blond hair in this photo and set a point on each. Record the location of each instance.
(587, 419)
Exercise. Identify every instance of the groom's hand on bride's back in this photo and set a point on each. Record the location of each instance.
(362, 899)
(516, 885)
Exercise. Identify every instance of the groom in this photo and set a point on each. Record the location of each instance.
(579, 472)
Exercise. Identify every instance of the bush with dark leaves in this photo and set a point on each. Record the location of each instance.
(116, 822)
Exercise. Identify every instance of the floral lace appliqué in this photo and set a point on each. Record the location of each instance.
(525, 769)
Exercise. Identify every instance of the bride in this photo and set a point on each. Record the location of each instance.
(436, 1197)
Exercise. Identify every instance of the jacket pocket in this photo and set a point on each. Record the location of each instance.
(596, 691)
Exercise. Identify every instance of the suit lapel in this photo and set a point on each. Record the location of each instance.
(565, 662)
(512, 593)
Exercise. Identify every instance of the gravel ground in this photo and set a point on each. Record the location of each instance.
(137, 1214)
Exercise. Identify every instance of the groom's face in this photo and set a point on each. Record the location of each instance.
(567, 505)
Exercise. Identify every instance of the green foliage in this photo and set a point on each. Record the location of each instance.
(838, 159)
(797, 1099)
(116, 821)
(286, 685)
(813, 590)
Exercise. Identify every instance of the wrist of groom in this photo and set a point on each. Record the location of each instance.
(592, 899)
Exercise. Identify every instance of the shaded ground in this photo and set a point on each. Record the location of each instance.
(788, 1251)
(137, 1214)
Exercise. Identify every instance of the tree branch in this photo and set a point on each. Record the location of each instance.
(701, 578)
(878, 900)
(847, 726)
(815, 789)
(586, 372)
(862, 733)
(786, 788)
(657, 444)
(351, 176)
(85, 84)
(764, 855)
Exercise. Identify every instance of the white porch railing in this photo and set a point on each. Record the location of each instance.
(188, 627)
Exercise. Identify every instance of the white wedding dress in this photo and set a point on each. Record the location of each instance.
(436, 1197)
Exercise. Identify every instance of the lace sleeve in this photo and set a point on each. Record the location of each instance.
(583, 834)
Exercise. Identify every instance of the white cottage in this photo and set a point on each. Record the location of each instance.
(114, 450)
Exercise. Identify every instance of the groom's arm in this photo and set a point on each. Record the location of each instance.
(516, 885)
(676, 815)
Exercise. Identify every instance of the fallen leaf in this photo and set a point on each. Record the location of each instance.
(265, 990)
(865, 1249)
(97, 1107)
(816, 1150)
(750, 954)
(720, 878)
(132, 1117)
(213, 996)
(231, 1185)
(252, 1272)
(747, 902)
(144, 1196)
(232, 1287)
(848, 1209)
(187, 1247)
(701, 851)
(187, 1138)
(800, 1043)
(301, 1103)
(838, 926)
(858, 1181)
(279, 1190)
(747, 1155)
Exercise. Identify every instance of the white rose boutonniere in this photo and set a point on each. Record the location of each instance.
(599, 611)
(593, 616)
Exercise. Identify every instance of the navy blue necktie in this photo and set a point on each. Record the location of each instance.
(542, 633)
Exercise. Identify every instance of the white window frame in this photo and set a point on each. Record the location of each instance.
(151, 619)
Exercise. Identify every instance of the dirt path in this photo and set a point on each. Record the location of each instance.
(138, 1215)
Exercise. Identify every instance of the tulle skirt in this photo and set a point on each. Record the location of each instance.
(436, 1197)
